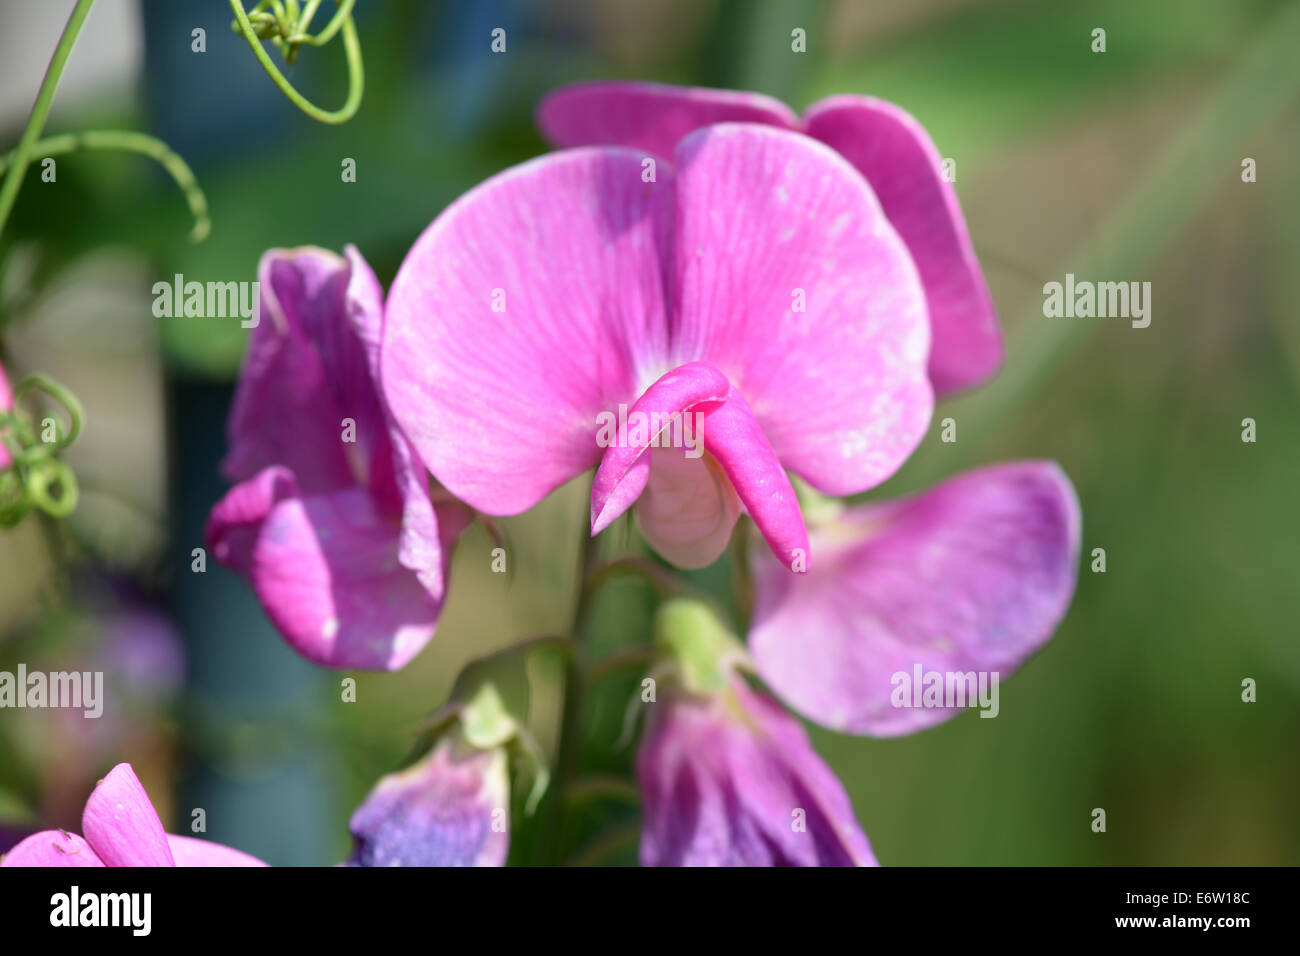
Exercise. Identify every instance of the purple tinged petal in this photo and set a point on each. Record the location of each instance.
(896, 155)
(327, 570)
(648, 116)
(286, 409)
(52, 848)
(450, 809)
(189, 851)
(973, 575)
(121, 825)
(732, 780)
(333, 523)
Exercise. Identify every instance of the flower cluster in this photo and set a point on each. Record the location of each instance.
(802, 289)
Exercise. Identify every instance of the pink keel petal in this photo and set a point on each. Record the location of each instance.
(689, 508)
(120, 823)
(326, 568)
(896, 155)
(734, 438)
(973, 575)
(52, 848)
(648, 116)
(674, 393)
(189, 851)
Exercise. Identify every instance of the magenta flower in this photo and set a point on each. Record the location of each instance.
(121, 829)
(882, 141)
(971, 576)
(332, 522)
(450, 809)
(730, 779)
(6, 404)
(755, 286)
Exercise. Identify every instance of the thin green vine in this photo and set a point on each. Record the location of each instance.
(285, 24)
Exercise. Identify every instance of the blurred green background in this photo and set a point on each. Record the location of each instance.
(1123, 165)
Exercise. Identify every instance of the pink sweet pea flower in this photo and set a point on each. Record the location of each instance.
(754, 285)
(121, 829)
(730, 779)
(971, 576)
(332, 522)
(6, 404)
(882, 141)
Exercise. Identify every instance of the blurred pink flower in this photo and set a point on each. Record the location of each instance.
(882, 141)
(332, 522)
(6, 403)
(755, 283)
(121, 829)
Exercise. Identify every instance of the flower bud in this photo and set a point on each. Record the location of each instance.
(452, 808)
(729, 778)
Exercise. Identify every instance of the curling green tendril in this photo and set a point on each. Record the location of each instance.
(140, 143)
(36, 477)
(285, 24)
(13, 165)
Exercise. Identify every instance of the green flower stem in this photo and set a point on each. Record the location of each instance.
(41, 110)
(351, 47)
(134, 143)
(569, 751)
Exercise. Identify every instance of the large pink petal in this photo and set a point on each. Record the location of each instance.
(52, 848)
(189, 851)
(326, 569)
(120, 823)
(501, 405)
(904, 168)
(648, 116)
(971, 576)
(767, 218)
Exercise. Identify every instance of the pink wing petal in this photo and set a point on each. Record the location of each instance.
(648, 116)
(327, 571)
(767, 221)
(501, 405)
(973, 575)
(676, 392)
(121, 824)
(189, 851)
(52, 848)
(898, 158)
